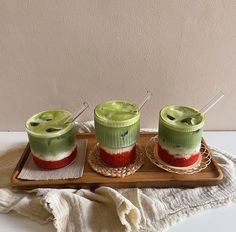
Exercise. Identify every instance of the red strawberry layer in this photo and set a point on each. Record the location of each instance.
(119, 159)
(175, 160)
(55, 164)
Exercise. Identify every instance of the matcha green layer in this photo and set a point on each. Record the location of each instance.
(49, 123)
(177, 137)
(49, 135)
(117, 124)
(174, 117)
(117, 113)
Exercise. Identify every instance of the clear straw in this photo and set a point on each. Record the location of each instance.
(205, 108)
(82, 109)
(212, 102)
(147, 97)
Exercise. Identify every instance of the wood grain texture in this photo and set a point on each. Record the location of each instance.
(147, 176)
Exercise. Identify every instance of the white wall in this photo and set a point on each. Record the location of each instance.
(55, 54)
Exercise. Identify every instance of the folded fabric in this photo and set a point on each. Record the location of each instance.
(107, 209)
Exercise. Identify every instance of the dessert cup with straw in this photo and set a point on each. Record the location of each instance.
(179, 143)
(52, 138)
(117, 127)
(180, 133)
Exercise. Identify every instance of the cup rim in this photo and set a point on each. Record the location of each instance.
(182, 128)
(116, 123)
(53, 134)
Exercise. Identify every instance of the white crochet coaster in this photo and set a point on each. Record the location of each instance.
(97, 164)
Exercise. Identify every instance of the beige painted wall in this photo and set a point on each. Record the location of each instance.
(55, 54)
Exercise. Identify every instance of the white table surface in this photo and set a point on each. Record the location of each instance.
(217, 220)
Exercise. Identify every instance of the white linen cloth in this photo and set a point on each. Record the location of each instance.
(108, 209)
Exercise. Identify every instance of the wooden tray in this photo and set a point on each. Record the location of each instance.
(149, 175)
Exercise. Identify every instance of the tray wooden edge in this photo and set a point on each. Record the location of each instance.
(30, 184)
(14, 181)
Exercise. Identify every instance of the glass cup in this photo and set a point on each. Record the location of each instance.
(117, 128)
(179, 140)
(52, 138)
